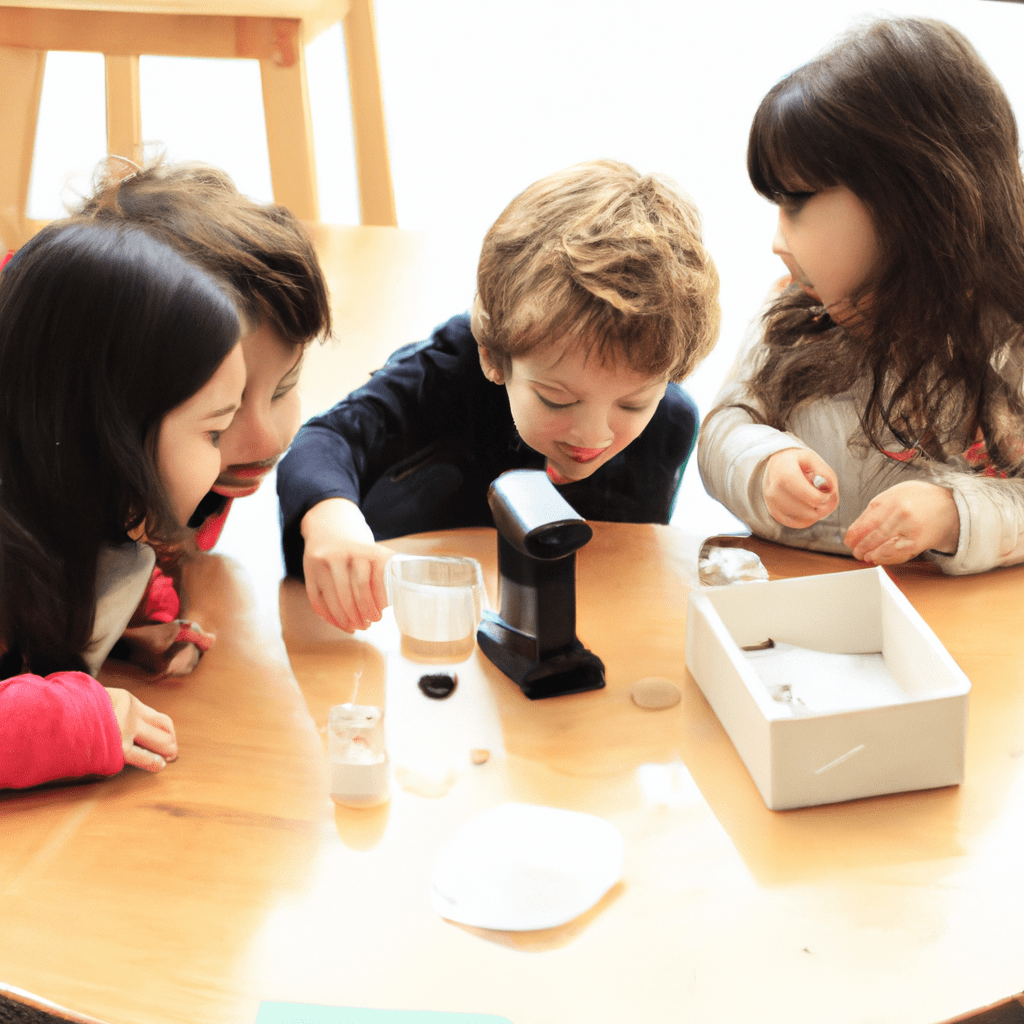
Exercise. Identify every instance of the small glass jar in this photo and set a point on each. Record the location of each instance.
(359, 762)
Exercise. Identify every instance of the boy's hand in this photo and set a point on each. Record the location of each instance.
(903, 521)
(343, 564)
(799, 488)
(147, 736)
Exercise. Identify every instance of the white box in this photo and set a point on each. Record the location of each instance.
(824, 758)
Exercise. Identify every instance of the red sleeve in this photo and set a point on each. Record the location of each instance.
(161, 603)
(60, 727)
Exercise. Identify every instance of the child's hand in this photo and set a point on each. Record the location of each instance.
(147, 736)
(903, 521)
(799, 488)
(156, 647)
(343, 564)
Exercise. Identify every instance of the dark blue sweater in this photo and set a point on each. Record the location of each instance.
(418, 445)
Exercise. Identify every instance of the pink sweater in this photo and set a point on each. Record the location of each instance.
(60, 727)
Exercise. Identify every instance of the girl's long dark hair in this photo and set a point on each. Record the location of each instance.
(103, 330)
(905, 114)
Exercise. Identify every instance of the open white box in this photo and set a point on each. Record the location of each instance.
(824, 758)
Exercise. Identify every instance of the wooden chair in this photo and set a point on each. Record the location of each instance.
(274, 32)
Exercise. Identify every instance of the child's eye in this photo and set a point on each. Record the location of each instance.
(214, 436)
(282, 391)
(552, 405)
(792, 202)
(634, 408)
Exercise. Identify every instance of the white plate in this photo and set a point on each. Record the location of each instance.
(520, 867)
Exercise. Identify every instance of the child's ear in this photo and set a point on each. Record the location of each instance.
(491, 372)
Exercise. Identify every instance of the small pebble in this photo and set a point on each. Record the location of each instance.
(439, 686)
(479, 756)
(431, 781)
(654, 694)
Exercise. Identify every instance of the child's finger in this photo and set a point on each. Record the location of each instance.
(158, 740)
(892, 551)
(139, 757)
(362, 590)
(345, 604)
(380, 590)
(319, 603)
(878, 539)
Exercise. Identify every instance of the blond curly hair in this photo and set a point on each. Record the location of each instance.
(607, 257)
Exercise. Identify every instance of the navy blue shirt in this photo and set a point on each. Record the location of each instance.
(418, 445)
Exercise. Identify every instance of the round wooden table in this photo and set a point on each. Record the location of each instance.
(231, 877)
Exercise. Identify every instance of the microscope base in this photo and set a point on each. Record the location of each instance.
(572, 670)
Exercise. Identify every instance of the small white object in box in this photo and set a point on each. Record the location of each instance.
(818, 758)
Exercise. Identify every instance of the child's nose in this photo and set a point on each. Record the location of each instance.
(779, 245)
(593, 429)
(249, 439)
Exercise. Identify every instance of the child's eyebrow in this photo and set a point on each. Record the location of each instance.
(639, 393)
(548, 384)
(221, 412)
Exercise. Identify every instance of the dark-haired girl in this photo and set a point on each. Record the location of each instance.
(881, 411)
(119, 368)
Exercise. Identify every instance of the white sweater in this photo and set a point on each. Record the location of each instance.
(732, 452)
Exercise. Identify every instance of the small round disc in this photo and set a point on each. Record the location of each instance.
(655, 693)
(439, 686)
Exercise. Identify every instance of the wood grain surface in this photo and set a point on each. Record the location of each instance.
(191, 895)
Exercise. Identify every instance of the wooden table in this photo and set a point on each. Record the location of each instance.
(231, 878)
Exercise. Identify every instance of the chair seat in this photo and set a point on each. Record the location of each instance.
(316, 15)
(274, 32)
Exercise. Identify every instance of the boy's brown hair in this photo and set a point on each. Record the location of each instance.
(261, 251)
(604, 255)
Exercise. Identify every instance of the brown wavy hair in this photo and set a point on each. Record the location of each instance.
(260, 250)
(602, 254)
(905, 114)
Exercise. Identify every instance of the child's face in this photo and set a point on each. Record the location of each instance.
(576, 410)
(268, 417)
(828, 242)
(187, 455)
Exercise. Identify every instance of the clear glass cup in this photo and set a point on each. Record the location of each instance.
(437, 601)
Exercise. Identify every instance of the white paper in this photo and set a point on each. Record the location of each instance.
(520, 867)
(807, 682)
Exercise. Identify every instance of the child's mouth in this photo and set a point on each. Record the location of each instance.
(582, 454)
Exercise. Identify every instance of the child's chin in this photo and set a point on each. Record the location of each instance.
(556, 477)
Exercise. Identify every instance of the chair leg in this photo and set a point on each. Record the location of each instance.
(124, 109)
(289, 125)
(21, 72)
(373, 166)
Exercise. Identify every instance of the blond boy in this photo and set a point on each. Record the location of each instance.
(595, 296)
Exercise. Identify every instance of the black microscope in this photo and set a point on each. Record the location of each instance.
(533, 639)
